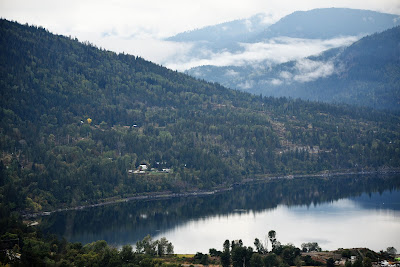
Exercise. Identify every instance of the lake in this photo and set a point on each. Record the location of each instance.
(336, 212)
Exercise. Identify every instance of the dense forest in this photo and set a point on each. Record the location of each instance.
(79, 124)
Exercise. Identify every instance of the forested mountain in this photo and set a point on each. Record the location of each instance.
(224, 35)
(325, 23)
(367, 73)
(79, 124)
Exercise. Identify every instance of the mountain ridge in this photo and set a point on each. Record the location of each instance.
(351, 74)
(238, 42)
(324, 23)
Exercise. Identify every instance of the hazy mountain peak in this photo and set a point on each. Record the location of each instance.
(324, 23)
(226, 31)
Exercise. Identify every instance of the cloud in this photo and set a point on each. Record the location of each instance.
(310, 70)
(276, 82)
(138, 26)
(285, 75)
(246, 85)
(231, 73)
(155, 50)
(276, 50)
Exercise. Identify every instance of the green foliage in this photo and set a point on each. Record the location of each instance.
(311, 246)
(201, 258)
(259, 246)
(149, 247)
(346, 253)
(357, 263)
(256, 260)
(308, 261)
(214, 253)
(367, 262)
(204, 134)
(330, 262)
(391, 251)
(241, 256)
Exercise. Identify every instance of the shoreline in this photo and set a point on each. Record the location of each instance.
(199, 193)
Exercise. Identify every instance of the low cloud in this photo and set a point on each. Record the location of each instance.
(285, 75)
(312, 70)
(276, 82)
(231, 73)
(275, 51)
(155, 50)
(246, 85)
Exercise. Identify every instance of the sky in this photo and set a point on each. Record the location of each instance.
(138, 27)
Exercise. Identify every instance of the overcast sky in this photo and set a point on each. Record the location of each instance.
(137, 26)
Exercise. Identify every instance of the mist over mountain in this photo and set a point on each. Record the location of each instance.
(222, 35)
(365, 73)
(298, 35)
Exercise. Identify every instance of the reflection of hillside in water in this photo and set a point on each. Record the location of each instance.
(131, 221)
(387, 200)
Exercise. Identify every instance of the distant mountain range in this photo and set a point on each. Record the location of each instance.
(328, 23)
(331, 72)
(366, 73)
(321, 23)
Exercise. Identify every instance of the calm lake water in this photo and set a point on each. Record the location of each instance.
(339, 212)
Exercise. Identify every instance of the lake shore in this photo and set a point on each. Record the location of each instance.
(198, 193)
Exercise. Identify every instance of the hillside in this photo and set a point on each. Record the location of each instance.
(79, 124)
(366, 73)
(325, 23)
(222, 35)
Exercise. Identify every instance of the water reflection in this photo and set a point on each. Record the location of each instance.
(336, 212)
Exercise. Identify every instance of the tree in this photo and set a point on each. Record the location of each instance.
(170, 248)
(289, 254)
(162, 245)
(158, 247)
(259, 246)
(391, 251)
(214, 253)
(297, 261)
(225, 259)
(126, 253)
(256, 260)
(358, 263)
(146, 246)
(367, 262)
(201, 258)
(226, 255)
(271, 260)
(346, 253)
(241, 256)
(272, 238)
(308, 247)
(226, 246)
(330, 262)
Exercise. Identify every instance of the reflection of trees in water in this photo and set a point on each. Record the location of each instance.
(131, 221)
